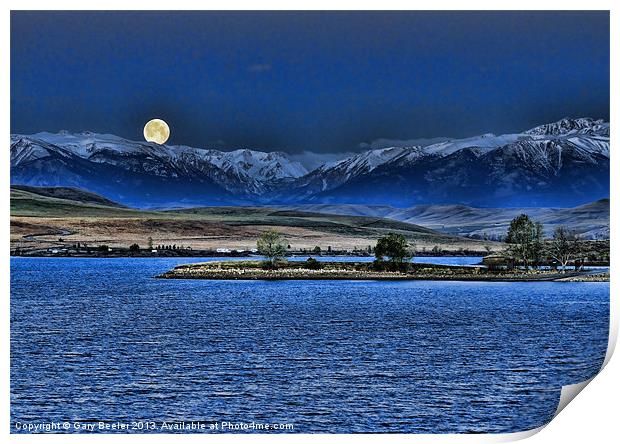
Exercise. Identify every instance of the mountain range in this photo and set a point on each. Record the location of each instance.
(590, 221)
(560, 164)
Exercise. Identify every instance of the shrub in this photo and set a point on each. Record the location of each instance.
(313, 264)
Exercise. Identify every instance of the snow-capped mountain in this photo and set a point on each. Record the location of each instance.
(98, 161)
(572, 126)
(333, 174)
(565, 163)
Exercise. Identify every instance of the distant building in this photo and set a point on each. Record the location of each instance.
(497, 262)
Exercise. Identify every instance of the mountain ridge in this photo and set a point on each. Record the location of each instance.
(563, 163)
(590, 221)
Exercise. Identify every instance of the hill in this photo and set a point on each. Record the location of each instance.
(591, 221)
(39, 221)
(69, 193)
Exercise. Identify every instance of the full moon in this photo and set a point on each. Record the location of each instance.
(156, 130)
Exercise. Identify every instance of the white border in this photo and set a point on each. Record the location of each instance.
(598, 406)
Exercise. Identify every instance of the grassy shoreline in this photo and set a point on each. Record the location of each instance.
(254, 270)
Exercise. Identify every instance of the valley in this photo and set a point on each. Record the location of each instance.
(41, 223)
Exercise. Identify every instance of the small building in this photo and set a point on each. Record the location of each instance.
(498, 262)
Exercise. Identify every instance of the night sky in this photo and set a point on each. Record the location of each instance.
(320, 82)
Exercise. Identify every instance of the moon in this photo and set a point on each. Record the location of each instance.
(156, 130)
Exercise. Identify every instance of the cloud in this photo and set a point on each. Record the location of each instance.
(388, 143)
(260, 67)
(312, 160)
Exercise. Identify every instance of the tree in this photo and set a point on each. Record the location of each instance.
(538, 244)
(564, 246)
(150, 242)
(396, 248)
(579, 249)
(317, 250)
(134, 248)
(272, 245)
(524, 235)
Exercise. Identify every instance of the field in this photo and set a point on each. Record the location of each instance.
(41, 221)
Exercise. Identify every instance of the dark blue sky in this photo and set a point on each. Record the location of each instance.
(322, 82)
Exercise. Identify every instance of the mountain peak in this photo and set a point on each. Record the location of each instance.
(568, 125)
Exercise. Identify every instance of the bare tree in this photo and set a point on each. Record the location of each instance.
(564, 246)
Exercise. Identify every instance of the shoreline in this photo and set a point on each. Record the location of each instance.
(211, 253)
(252, 270)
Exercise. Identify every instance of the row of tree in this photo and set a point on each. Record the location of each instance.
(528, 245)
(392, 251)
(525, 238)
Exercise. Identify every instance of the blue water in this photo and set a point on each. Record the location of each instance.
(100, 340)
(440, 260)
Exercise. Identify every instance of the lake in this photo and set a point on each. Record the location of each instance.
(440, 260)
(101, 340)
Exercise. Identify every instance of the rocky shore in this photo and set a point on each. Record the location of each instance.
(255, 270)
(594, 277)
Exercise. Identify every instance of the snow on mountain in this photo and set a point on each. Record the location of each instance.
(485, 142)
(568, 126)
(585, 133)
(568, 166)
(365, 162)
(333, 174)
(565, 162)
(240, 171)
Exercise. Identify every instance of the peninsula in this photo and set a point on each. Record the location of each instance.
(315, 270)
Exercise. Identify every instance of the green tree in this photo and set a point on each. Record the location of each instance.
(396, 248)
(150, 242)
(526, 239)
(272, 245)
(317, 250)
(134, 248)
